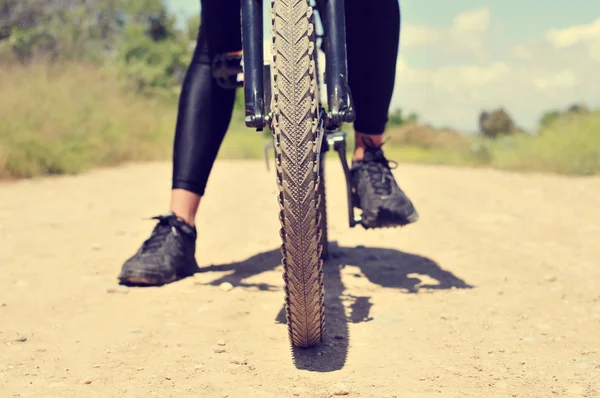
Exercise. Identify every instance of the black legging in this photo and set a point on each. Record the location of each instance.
(205, 108)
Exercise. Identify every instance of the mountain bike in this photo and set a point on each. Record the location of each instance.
(283, 95)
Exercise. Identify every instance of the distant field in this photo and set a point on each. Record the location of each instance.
(68, 119)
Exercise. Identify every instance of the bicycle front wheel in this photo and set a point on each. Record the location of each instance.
(295, 123)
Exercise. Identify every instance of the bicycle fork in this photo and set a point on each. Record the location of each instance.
(256, 82)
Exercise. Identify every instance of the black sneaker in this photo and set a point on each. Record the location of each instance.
(166, 256)
(376, 192)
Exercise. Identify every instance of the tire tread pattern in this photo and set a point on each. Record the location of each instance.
(295, 120)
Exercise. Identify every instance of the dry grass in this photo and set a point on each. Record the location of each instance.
(425, 137)
(69, 118)
(566, 146)
(66, 119)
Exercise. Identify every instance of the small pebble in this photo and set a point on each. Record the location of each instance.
(96, 246)
(199, 367)
(139, 369)
(18, 339)
(168, 378)
(219, 350)
(575, 390)
(341, 389)
(95, 366)
(117, 289)
(57, 385)
(226, 286)
(87, 381)
(586, 363)
(221, 342)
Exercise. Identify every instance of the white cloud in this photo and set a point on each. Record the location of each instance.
(477, 20)
(521, 52)
(575, 34)
(564, 79)
(467, 32)
(594, 49)
(469, 28)
(582, 35)
(454, 79)
(555, 70)
(419, 36)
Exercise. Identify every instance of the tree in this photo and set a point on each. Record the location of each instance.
(548, 118)
(496, 123)
(138, 35)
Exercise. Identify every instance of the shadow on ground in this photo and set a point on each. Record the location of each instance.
(387, 268)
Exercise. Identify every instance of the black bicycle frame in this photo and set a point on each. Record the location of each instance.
(333, 18)
(257, 80)
(252, 50)
(336, 66)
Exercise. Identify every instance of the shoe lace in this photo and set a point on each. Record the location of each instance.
(166, 225)
(378, 167)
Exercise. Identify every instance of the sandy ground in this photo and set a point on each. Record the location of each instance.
(493, 293)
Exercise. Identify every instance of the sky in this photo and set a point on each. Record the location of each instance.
(460, 57)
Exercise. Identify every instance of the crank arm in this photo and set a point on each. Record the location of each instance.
(320, 136)
(270, 145)
(337, 141)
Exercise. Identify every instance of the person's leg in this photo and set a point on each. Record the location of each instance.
(203, 118)
(205, 108)
(373, 36)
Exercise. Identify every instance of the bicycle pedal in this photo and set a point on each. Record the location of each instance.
(227, 70)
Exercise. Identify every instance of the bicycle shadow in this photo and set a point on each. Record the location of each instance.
(387, 268)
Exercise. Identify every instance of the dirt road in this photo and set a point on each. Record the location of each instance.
(495, 292)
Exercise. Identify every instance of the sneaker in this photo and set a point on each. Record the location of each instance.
(377, 194)
(167, 255)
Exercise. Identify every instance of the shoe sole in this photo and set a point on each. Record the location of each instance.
(138, 279)
(138, 276)
(383, 221)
